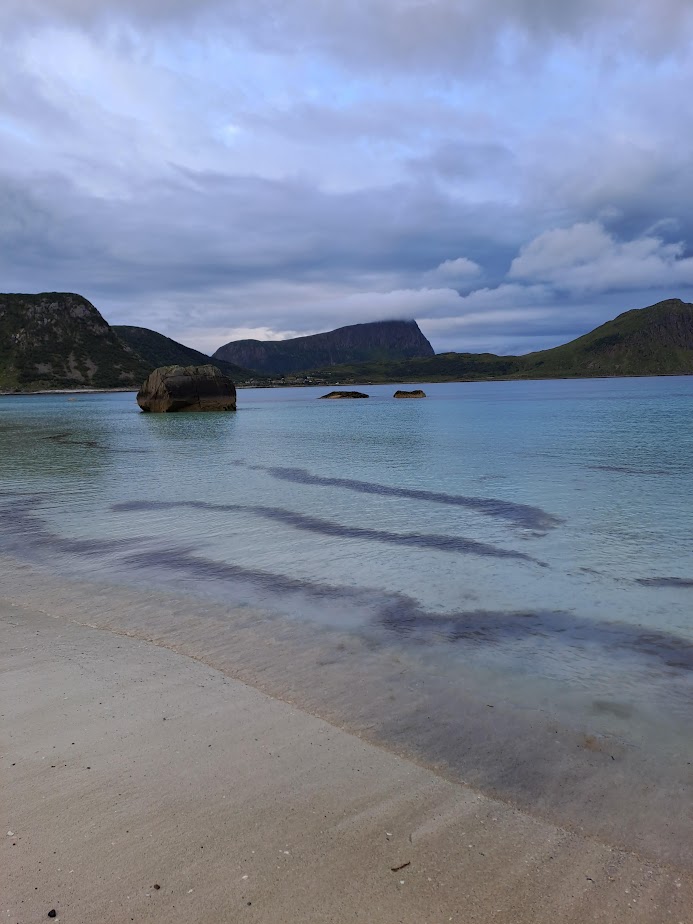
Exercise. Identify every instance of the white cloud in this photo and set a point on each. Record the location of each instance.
(587, 258)
(452, 272)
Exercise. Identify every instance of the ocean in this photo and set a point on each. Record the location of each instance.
(496, 581)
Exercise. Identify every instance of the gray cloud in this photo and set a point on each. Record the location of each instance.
(510, 173)
(450, 34)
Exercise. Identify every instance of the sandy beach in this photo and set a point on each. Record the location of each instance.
(144, 785)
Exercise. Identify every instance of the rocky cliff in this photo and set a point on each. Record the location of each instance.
(59, 340)
(378, 341)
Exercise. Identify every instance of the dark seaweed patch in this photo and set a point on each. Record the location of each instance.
(440, 543)
(183, 560)
(406, 618)
(394, 613)
(520, 514)
(23, 525)
(67, 439)
(402, 616)
(627, 470)
(665, 582)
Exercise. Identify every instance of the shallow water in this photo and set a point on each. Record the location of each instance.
(504, 570)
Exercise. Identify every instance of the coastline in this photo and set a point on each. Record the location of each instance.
(242, 807)
(66, 391)
(389, 382)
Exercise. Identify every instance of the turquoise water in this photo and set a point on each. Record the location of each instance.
(525, 543)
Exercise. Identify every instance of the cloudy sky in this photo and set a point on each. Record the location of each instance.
(508, 172)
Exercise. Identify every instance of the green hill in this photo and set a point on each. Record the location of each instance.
(657, 340)
(645, 341)
(59, 340)
(159, 350)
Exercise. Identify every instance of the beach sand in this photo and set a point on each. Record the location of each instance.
(142, 785)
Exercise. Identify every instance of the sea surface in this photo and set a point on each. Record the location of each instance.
(496, 580)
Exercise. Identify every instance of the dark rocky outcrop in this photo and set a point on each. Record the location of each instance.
(187, 388)
(345, 394)
(374, 342)
(60, 340)
(416, 393)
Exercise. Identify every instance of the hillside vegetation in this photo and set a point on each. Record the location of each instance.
(657, 340)
(158, 350)
(59, 340)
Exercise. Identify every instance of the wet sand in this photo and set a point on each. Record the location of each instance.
(128, 766)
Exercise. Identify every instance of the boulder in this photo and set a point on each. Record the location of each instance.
(345, 394)
(417, 393)
(187, 388)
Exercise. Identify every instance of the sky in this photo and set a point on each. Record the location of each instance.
(510, 173)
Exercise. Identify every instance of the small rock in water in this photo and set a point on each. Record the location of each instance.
(417, 393)
(345, 394)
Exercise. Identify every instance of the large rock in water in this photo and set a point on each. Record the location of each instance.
(345, 394)
(187, 388)
(417, 393)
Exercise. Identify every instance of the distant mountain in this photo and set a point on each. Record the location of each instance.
(159, 350)
(657, 340)
(59, 340)
(378, 341)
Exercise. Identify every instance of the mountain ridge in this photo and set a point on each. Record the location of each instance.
(656, 340)
(371, 341)
(159, 350)
(54, 340)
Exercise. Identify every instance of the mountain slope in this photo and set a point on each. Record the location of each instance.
(657, 340)
(60, 340)
(158, 350)
(376, 341)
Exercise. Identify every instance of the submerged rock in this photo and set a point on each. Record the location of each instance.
(345, 394)
(417, 393)
(187, 388)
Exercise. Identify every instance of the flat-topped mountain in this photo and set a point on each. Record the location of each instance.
(378, 341)
(657, 340)
(60, 340)
(158, 350)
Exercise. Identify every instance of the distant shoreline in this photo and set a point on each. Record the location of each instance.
(66, 391)
(430, 381)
